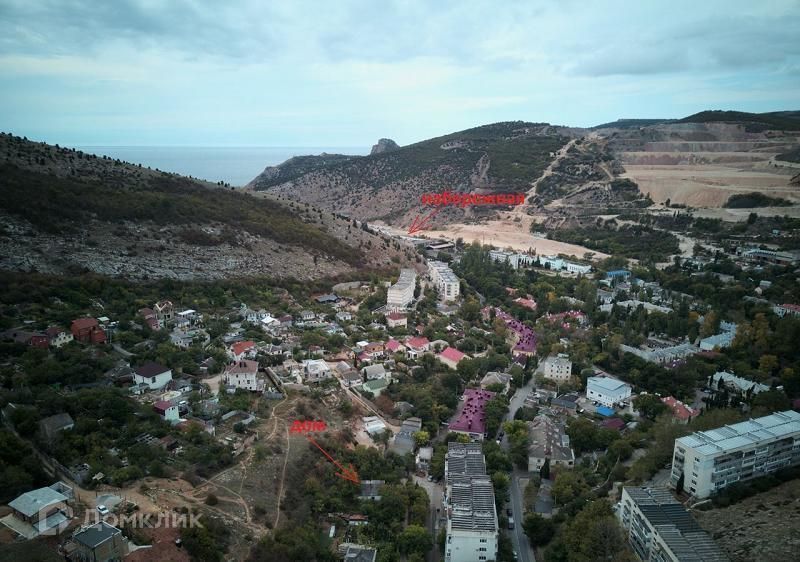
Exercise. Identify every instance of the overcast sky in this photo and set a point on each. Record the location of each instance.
(337, 73)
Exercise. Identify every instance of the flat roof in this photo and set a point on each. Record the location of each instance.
(743, 434)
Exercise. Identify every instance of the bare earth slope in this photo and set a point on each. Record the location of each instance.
(64, 211)
(387, 185)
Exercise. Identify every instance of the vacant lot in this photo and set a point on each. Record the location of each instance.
(763, 527)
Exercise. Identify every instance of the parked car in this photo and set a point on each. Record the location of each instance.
(510, 522)
(102, 510)
(509, 512)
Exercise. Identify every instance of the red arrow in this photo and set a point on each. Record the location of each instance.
(422, 224)
(346, 473)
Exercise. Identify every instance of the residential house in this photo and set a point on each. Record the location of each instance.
(152, 374)
(351, 378)
(396, 320)
(416, 346)
(404, 440)
(50, 427)
(344, 316)
(373, 372)
(493, 377)
(100, 542)
(607, 391)
(376, 387)
(167, 410)
(557, 368)
(165, 312)
(373, 425)
(680, 411)
(150, 319)
(786, 310)
(451, 357)
(548, 441)
(45, 511)
(732, 382)
(243, 374)
(394, 346)
(423, 458)
(316, 370)
(87, 330)
(375, 350)
(307, 316)
(371, 490)
(242, 350)
(359, 553)
(57, 336)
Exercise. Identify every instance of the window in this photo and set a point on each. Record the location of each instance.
(483, 540)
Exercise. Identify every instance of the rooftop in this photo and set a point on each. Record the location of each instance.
(677, 528)
(472, 507)
(472, 418)
(150, 369)
(464, 459)
(605, 383)
(747, 433)
(31, 502)
(95, 535)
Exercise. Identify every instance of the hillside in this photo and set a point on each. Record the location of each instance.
(754, 122)
(387, 185)
(63, 210)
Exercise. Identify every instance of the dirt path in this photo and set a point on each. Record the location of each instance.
(560, 155)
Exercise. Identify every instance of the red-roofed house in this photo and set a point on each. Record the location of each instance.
(527, 303)
(149, 318)
(87, 330)
(417, 346)
(39, 340)
(451, 357)
(394, 346)
(167, 410)
(616, 424)
(242, 350)
(680, 411)
(396, 320)
(787, 309)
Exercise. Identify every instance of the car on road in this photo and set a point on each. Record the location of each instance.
(102, 510)
(509, 512)
(430, 478)
(514, 552)
(510, 522)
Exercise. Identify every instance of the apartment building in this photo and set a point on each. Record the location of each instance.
(401, 294)
(557, 368)
(711, 460)
(445, 280)
(659, 528)
(472, 532)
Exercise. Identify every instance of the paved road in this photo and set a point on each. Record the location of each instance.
(434, 492)
(518, 538)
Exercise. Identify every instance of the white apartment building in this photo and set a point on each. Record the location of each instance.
(607, 391)
(515, 260)
(711, 460)
(557, 368)
(659, 529)
(401, 294)
(472, 532)
(445, 280)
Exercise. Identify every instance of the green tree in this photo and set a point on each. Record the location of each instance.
(649, 406)
(539, 530)
(414, 539)
(421, 438)
(568, 486)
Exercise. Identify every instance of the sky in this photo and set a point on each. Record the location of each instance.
(345, 73)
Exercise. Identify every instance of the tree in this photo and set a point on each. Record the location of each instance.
(544, 472)
(421, 438)
(414, 539)
(649, 406)
(568, 486)
(594, 534)
(501, 483)
(538, 529)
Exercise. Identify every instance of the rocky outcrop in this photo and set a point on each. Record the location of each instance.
(384, 145)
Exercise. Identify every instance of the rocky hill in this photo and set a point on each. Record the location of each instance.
(388, 184)
(65, 211)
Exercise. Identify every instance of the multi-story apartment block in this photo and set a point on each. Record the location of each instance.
(401, 294)
(659, 528)
(557, 368)
(445, 280)
(711, 460)
(469, 503)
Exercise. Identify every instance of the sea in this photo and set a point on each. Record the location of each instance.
(234, 165)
